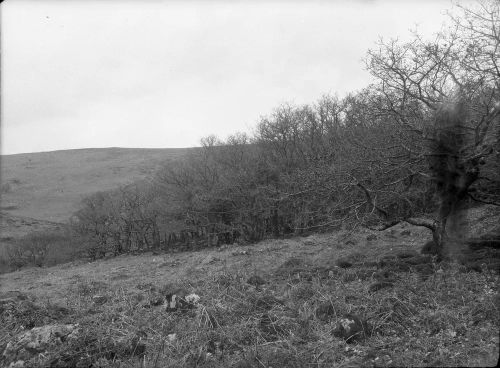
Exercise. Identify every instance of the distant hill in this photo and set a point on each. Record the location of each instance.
(48, 186)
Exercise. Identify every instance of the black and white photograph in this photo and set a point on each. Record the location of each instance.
(249, 183)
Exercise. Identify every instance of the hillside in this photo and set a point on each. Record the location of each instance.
(278, 303)
(47, 187)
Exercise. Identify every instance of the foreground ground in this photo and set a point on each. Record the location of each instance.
(274, 304)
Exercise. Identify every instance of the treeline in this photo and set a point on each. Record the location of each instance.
(426, 129)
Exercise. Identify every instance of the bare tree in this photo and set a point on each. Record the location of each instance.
(441, 101)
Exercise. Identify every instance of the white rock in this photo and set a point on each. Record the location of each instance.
(192, 298)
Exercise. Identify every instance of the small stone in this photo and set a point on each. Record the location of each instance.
(371, 237)
(405, 232)
(99, 299)
(351, 328)
(177, 301)
(192, 298)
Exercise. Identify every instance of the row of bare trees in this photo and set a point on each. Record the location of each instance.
(416, 145)
(120, 220)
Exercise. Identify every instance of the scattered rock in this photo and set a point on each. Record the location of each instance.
(371, 237)
(325, 311)
(30, 346)
(192, 298)
(180, 300)
(351, 328)
(173, 303)
(240, 253)
(99, 299)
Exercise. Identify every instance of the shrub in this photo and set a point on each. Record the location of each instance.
(44, 248)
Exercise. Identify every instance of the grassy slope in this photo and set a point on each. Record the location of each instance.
(448, 319)
(48, 186)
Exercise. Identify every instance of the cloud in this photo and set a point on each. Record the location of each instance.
(164, 74)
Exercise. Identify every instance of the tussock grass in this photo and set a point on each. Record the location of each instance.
(448, 317)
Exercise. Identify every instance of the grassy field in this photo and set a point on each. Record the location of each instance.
(274, 304)
(48, 186)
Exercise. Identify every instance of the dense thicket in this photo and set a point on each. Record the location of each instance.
(415, 145)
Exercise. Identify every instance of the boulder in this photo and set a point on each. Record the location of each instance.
(31, 345)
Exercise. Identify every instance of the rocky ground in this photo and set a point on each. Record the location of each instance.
(345, 299)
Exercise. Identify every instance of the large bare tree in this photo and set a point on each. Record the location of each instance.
(438, 102)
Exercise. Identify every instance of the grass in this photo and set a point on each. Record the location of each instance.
(447, 318)
(50, 185)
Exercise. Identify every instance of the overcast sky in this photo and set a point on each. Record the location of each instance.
(79, 74)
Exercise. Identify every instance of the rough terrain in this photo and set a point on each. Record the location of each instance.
(280, 303)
